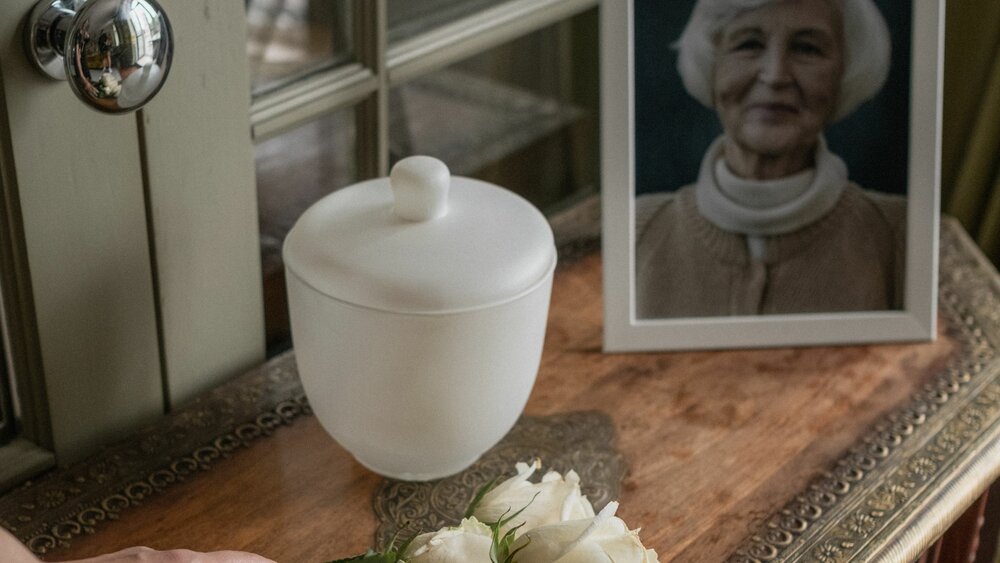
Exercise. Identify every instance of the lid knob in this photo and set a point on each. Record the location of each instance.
(420, 188)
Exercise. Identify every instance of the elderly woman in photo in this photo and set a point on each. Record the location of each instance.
(773, 225)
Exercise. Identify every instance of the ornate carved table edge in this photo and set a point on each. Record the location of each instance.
(48, 512)
(581, 441)
(899, 487)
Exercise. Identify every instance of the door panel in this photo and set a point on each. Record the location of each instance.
(79, 181)
(140, 232)
(203, 202)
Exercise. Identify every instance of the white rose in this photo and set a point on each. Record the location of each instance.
(554, 499)
(110, 85)
(595, 540)
(469, 542)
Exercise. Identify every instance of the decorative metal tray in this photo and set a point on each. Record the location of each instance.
(581, 441)
(904, 482)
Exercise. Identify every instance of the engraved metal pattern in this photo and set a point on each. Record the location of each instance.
(581, 441)
(47, 513)
(856, 510)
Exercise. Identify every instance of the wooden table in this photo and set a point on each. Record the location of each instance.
(808, 454)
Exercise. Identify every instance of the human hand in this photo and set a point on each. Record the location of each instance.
(147, 555)
(12, 551)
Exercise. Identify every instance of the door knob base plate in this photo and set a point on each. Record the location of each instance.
(45, 35)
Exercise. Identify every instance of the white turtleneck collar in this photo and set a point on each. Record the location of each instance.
(762, 194)
(767, 208)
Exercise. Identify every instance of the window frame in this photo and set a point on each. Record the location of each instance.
(379, 66)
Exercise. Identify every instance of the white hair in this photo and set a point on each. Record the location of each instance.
(867, 49)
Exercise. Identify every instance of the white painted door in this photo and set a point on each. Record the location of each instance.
(131, 264)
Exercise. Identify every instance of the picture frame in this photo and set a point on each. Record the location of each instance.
(625, 330)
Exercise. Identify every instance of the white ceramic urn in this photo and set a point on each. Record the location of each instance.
(418, 309)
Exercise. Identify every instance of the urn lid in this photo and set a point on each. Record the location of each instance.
(421, 241)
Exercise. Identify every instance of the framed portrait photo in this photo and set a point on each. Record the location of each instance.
(770, 172)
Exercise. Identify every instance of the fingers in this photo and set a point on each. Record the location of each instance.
(12, 550)
(147, 555)
(236, 557)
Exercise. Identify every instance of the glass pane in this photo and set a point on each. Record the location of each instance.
(522, 115)
(293, 171)
(412, 17)
(290, 39)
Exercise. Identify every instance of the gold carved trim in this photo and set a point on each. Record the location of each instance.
(909, 477)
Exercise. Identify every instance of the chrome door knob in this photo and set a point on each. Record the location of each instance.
(115, 53)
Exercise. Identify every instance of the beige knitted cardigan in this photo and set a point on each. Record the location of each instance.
(851, 259)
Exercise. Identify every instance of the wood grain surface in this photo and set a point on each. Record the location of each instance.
(715, 441)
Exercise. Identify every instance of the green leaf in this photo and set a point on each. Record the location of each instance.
(500, 549)
(371, 556)
(474, 504)
(403, 546)
(510, 557)
(389, 554)
(392, 548)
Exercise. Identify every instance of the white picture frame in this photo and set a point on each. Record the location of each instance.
(916, 321)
